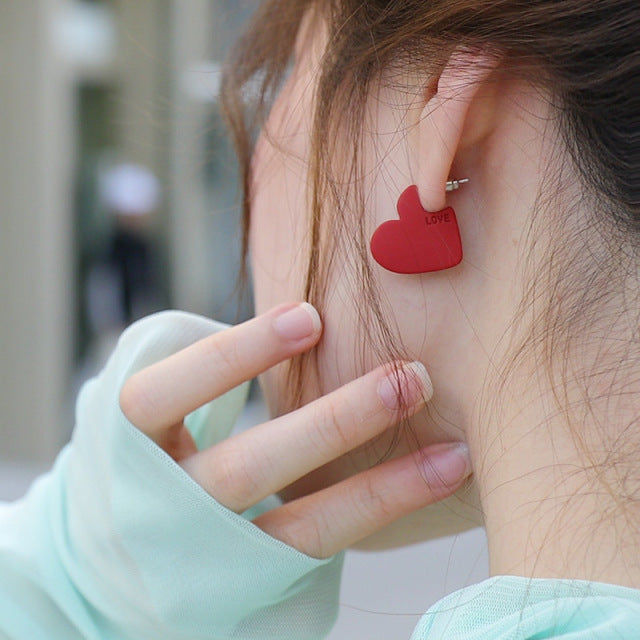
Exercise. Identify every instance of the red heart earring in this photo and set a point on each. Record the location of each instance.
(421, 241)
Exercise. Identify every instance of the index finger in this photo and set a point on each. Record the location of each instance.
(160, 396)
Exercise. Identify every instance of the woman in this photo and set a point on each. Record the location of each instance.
(526, 322)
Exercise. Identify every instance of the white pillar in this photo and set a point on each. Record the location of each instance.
(35, 232)
(190, 250)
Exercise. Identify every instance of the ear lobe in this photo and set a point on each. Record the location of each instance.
(443, 121)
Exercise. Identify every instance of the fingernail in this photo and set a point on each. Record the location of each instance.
(408, 387)
(297, 323)
(447, 465)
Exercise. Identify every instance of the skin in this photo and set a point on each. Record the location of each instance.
(242, 470)
(544, 515)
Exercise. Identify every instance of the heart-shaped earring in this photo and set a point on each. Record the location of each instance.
(421, 241)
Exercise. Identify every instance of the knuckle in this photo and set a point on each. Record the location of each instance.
(335, 436)
(224, 356)
(315, 537)
(302, 529)
(137, 402)
(311, 534)
(371, 504)
(234, 479)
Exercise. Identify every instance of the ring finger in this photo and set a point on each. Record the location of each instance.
(333, 519)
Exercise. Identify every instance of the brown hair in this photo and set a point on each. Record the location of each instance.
(583, 53)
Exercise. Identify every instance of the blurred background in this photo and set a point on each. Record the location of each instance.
(118, 189)
(118, 198)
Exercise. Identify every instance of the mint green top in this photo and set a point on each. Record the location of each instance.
(118, 542)
(517, 608)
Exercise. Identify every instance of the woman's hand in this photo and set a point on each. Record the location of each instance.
(244, 469)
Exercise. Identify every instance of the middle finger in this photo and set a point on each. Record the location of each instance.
(245, 469)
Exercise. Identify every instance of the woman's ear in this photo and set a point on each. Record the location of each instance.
(448, 123)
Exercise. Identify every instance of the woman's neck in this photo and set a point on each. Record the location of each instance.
(559, 488)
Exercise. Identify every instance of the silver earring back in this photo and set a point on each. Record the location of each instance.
(454, 185)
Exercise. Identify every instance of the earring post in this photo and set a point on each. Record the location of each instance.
(453, 185)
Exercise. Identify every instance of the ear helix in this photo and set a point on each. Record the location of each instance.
(420, 241)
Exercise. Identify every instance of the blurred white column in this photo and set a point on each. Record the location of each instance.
(191, 34)
(142, 82)
(36, 144)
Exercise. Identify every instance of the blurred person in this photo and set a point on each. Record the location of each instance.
(131, 195)
(454, 186)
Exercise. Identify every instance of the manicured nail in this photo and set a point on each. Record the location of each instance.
(408, 387)
(447, 465)
(298, 323)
